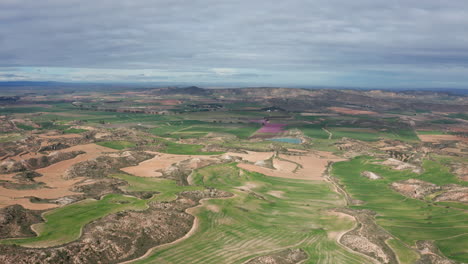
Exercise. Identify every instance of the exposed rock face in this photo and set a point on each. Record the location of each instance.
(54, 147)
(370, 175)
(454, 192)
(9, 166)
(363, 245)
(288, 256)
(15, 221)
(116, 237)
(27, 176)
(461, 170)
(430, 254)
(368, 238)
(96, 188)
(416, 189)
(400, 165)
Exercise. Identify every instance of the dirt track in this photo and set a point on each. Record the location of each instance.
(349, 111)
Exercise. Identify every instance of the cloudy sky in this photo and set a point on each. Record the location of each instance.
(358, 43)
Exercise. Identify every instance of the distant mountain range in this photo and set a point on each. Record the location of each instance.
(194, 89)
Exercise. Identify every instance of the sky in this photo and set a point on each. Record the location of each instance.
(358, 43)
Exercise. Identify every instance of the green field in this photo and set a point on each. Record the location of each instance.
(64, 224)
(117, 144)
(259, 223)
(408, 219)
(431, 132)
(167, 189)
(74, 130)
(171, 147)
(195, 129)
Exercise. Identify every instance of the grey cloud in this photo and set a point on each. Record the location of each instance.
(271, 36)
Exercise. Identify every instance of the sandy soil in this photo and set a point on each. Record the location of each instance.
(349, 111)
(162, 161)
(298, 150)
(252, 156)
(53, 176)
(438, 138)
(284, 165)
(312, 166)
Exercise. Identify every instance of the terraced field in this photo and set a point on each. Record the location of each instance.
(266, 215)
(409, 220)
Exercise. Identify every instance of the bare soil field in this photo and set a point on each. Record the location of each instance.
(57, 185)
(307, 167)
(318, 114)
(349, 111)
(439, 138)
(162, 161)
(252, 156)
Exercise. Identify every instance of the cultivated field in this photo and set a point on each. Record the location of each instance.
(256, 223)
(252, 175)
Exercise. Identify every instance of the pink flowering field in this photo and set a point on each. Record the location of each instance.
(271, 128)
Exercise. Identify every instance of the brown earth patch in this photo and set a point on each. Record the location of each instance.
(53, 177)
(170, 102)
(349, 111)
(252, 156)
(298, 150)
(439, 138)
(317, 114)
(414, 188)
(306, 167)
(156, 166)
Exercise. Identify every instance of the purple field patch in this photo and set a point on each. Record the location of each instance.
(271, 128)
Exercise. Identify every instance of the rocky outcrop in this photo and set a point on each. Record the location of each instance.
(15, 221)
(116, 237)
(418, 189)
(104, 165)
(370, 175)
(400, 165)
(430, 254)
(454, 193)
(414, 188)
(368, 238)
(9, 166)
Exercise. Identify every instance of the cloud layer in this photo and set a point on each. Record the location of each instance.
(296, 42)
